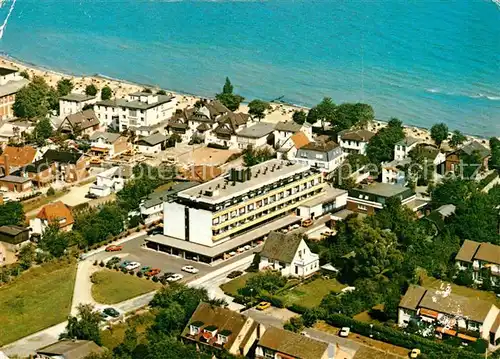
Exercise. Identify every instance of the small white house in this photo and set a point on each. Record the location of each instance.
(152, 144)
(289, 254)
(256, 135)
(403, 147)
(393, 172)
(109, 181)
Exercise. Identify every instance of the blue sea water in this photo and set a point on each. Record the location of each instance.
(423, 61)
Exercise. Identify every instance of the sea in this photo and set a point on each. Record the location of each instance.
(422, 61)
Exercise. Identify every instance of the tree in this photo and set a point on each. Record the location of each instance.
(324, 112)
(32, 100)
(294, 324)
(64, 87)
(265, 281)
(454, 191)
(457, 139)
(170, 320)
(381, 146)
(161, 92)
(26, 255)
(85, 326)
(464, 277)
(25, 74)
(228, 98)
(299, 116)
(106, 93)
(12, 213)
(494, 161)
(349, 115)
(91, 90)
(439, 133)
(43, 130)
(252, 156)
(147, 90)
(258, 108)
(54, 241)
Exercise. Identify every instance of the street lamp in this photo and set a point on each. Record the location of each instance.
(251, 296)
(371, 330)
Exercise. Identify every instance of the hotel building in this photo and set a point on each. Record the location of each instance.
(234, 210)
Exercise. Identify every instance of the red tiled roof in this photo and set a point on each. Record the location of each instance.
(55, 212)
(18, 156)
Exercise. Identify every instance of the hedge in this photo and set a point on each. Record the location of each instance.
(400, 338)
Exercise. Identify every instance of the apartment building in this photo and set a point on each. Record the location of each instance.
(325, 156)
(451, 314)
(234, 210)
(480, 257)
(354, 141)
(11, 82)
(108, 144)
(139, 110)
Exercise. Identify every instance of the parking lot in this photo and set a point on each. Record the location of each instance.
(134, 250)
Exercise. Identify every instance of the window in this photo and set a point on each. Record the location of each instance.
(362, 207)
(221, 339)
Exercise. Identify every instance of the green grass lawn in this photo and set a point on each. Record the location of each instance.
(112, 338)
(231, 287)
(431, 282)
(38, 299)
(112, 287)
(310, 294)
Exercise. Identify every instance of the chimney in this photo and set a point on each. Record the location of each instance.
(6, 165)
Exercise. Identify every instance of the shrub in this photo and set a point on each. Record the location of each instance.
(155, 279)
(131, 272)
(101, 264)
(109, 265)
(95, 262)
(124, 270)
(51, 191)
(138, 230)
(297, 308)
(140, 274)
(295, 324)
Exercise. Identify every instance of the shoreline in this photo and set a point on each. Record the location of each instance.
(281, 111)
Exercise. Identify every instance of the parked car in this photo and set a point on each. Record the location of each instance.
(295, 226)
(190, 269)
(240, 250)
(113, 260)
(113, 248)
(152, 272)
(263, 305)
(415, 353)
(133, 265)
(232, 254)
(175, 277)
(247, 247)
(111, 312)
(125, 263)
(344, 332)
(303, 333)
(307, 223)
(91, 195)
(234, 274)
(145, 269)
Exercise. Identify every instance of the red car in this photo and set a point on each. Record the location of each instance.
(152, 272)
(113, 248)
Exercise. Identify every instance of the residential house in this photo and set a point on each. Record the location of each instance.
(12, 132)
(109, 181)
(152, 144)
(13, 183)
(151, 207)
(73, 103)
(17, 157)
(451, 314)
(354, 141)
(204, 119)
(284, 130)
(12, 238)
(41, 172)
(53, 213)
(283, 344)
(256, 135)
(11, 82)
(179, 125)
(71, 166)
(332, 200)
(403, 147)
(289, 148)
(80, 123)
(324, 156)
(69, 349)
(394, 172)
(370, 198)
(138, 110)
(199, 173)
(470, 154)
(223, 329)
(108, 144)
(225, 131)
(480, 257)
(288, 254)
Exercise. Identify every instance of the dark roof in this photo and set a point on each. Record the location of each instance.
(14, 179)
(281, 247)
(77, 97)
(485, 252)
(12, 232)
(467, 251)
(153, 140)
(293, 344)
(288, 126)
(83, 119)
(203, 127)
(386, 190)
(6, 71)
(475, 147)
(218, 318)
(356, 135)
(37, 167)
(71, 349)
(62, 156)
(108, 136)
(135, 105)
(412, 297)
(157, 198)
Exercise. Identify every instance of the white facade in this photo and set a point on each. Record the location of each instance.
(107, 182)
(139, 110)
(148, 150)
(353, 146)
(74, 103)
(304, 263)
(403, 148)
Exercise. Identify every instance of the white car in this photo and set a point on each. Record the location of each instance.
(295, 226)
(232, 254)
(175, 277)
(190, 269)
(247, 247)
(133, 265)
(344, 332)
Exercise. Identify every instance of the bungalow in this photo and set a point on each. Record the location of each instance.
(73, 103)
(370, 198)
(80, 123)
(53, 213)
(354, 141)
(108, 144)
(451, 314)
(71, 166)
(69, 349)
(152, 144)
(325, 156)
(13, 131)
(223, 329)
(109, 181)
(479, 257)
(472, 154)
(288, 254)
(331, 200)
(256, 135)
(279, 344)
